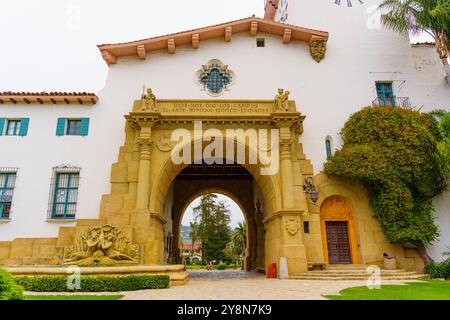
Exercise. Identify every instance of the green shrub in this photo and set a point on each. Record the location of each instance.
(95, 283)
(221, 266)
(394, 153)
(439, 270)
(9, 290)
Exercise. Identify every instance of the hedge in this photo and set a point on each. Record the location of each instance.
(94, 283)
(9, 290)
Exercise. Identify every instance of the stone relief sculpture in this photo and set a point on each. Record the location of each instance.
(318, 48)
(164, 143)
(102, 245)
(148, 100)
(292, 225)
(282, 100)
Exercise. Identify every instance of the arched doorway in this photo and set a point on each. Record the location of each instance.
(231, 180)
(338, 231)
(213, 228)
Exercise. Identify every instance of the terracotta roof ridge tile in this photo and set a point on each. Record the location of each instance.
(211, 26)
(177, 33)
(44, 93)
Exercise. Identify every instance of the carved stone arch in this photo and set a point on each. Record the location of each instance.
(342, 200)
(269, 185)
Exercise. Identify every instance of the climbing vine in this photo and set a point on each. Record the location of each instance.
(396, 153)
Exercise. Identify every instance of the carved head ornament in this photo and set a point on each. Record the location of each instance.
(318, 48)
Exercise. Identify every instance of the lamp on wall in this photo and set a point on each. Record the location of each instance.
(310, 188)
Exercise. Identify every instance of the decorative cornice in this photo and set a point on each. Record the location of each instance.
(48, 97)
(252, 25)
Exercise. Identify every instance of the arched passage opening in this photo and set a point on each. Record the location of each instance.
(231, 180)
(213, 228)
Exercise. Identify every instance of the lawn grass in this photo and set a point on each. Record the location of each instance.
(70, 297)
(195, 267)
(426, 290)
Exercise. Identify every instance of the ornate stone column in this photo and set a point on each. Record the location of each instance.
(286, 166)
(143, 188)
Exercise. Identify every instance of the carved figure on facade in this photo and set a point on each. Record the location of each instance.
(318, 48)
(164, 142)
(282, 100)
(102, 245)
(148, 99)
(292, 225)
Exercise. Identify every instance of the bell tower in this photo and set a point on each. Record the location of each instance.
(348, 21)
(358, 46)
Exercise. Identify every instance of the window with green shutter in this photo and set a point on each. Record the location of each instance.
(14, 127)
(72, 127)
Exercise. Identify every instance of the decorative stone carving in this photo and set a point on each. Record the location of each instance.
(282, 100)
(102, 245)
(148, 100)
(164, 142)
(292, 225)
(318, 48)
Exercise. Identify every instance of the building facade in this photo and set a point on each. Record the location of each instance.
(73, 162)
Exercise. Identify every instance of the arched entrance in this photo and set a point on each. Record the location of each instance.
(149, 189)
(225, 213)
(338, 231)
(231, 180)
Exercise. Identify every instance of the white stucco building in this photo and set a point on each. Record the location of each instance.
(363, 62)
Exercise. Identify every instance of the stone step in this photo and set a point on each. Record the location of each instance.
(356, 277)
(342, 272)
(360, 275)
(345, 266)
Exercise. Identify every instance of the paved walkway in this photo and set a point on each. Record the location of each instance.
(238, 285)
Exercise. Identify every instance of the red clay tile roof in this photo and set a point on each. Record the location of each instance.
(424, 43)
(253, 25)
(188, 246)
(48, 97)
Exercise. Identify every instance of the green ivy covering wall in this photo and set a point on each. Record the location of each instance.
(396, 154)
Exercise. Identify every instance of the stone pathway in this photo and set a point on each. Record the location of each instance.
(238, 285)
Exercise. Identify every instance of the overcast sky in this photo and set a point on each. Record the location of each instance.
(52, 44)
(236, 213)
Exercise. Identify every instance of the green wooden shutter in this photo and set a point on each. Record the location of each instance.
(2, 124)
(84, 129)
(23, 131)
(61, 124)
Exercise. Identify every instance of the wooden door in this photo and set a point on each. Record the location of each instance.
(338, 242)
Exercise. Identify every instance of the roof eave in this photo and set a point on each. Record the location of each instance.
(140, 48)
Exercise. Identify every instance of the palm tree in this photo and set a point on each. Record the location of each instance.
(421, 16)
(239, 237)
